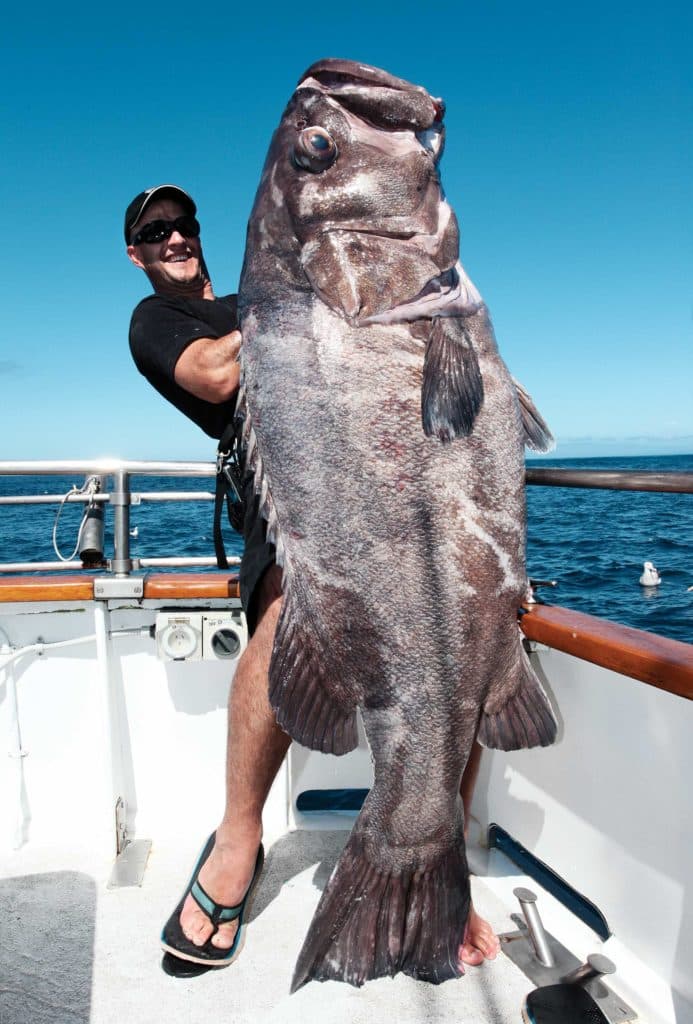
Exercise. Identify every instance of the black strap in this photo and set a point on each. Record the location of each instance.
(228, 486)
(222, 561)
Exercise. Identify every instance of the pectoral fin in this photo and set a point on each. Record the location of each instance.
(452, 391)
(538, 437)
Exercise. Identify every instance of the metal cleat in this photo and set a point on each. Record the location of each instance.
(595, 967)
(559, 975)
(535, 928)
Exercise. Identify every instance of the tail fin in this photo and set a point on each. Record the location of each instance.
(524, 719)
(371, 923)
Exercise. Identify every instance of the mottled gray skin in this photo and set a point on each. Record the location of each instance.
(403, 554)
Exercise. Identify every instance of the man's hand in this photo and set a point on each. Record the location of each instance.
(208, 368)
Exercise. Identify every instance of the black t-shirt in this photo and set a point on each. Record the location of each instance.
(161, 329)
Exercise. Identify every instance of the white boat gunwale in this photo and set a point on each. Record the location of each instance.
(560, 640)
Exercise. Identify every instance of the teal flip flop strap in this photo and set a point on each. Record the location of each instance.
(217, 913)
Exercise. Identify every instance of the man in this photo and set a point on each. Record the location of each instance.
(185, 341)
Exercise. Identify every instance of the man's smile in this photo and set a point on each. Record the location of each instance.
(173, 262)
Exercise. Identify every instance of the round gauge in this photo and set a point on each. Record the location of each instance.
(178, 641)
(226, 643)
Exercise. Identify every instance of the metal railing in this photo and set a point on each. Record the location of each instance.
(122, 498)
(611, 480)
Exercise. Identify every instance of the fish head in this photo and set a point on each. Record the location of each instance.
(364, 152)
(351, 183)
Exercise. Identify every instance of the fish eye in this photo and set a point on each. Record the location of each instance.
(314, 150)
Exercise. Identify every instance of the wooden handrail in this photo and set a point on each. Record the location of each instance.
(657, 660)
(157, 586)
(170, 585)
(47, 588)
(666, 664)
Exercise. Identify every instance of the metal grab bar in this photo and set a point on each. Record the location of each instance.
(122, 498)
(548, 476)
(137, 497)
(104, 467)
(608, 480)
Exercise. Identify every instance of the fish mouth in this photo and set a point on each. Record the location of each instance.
(433, 140)
(370, 91)
(337, 68)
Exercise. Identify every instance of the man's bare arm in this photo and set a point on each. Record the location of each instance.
(208, 367)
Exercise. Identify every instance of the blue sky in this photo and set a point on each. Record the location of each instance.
(568, 163)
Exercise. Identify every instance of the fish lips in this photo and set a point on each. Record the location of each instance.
(433, 140)
(376, 95)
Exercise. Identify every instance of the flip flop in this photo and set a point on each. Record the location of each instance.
(173, 939)
(562, 1004)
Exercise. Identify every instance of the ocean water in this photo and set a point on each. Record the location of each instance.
(593, 543)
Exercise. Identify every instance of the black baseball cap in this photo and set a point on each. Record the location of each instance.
(140, 203)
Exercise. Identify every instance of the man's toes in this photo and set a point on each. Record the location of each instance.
(470, 955)
(484, 940)
(199, 935)
(489, 949)
(480, 942)
(225, 936)
(196, 926)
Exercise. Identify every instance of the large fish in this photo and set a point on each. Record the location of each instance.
(386, 437)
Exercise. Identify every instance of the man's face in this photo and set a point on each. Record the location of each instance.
(174, 265)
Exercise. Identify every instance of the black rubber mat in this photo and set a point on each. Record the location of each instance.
(562, 1004)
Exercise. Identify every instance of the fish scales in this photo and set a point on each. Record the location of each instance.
(387, 438)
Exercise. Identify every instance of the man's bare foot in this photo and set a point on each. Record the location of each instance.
(225, 877)
(480, 941)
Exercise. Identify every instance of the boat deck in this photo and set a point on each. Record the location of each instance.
(78, 952)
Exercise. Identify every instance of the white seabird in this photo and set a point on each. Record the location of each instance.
(650, 577)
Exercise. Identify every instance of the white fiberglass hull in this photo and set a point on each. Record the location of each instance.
(606, 808)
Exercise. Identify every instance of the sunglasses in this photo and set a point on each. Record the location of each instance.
(160, 230)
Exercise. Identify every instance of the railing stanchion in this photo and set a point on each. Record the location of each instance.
(121, 563)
